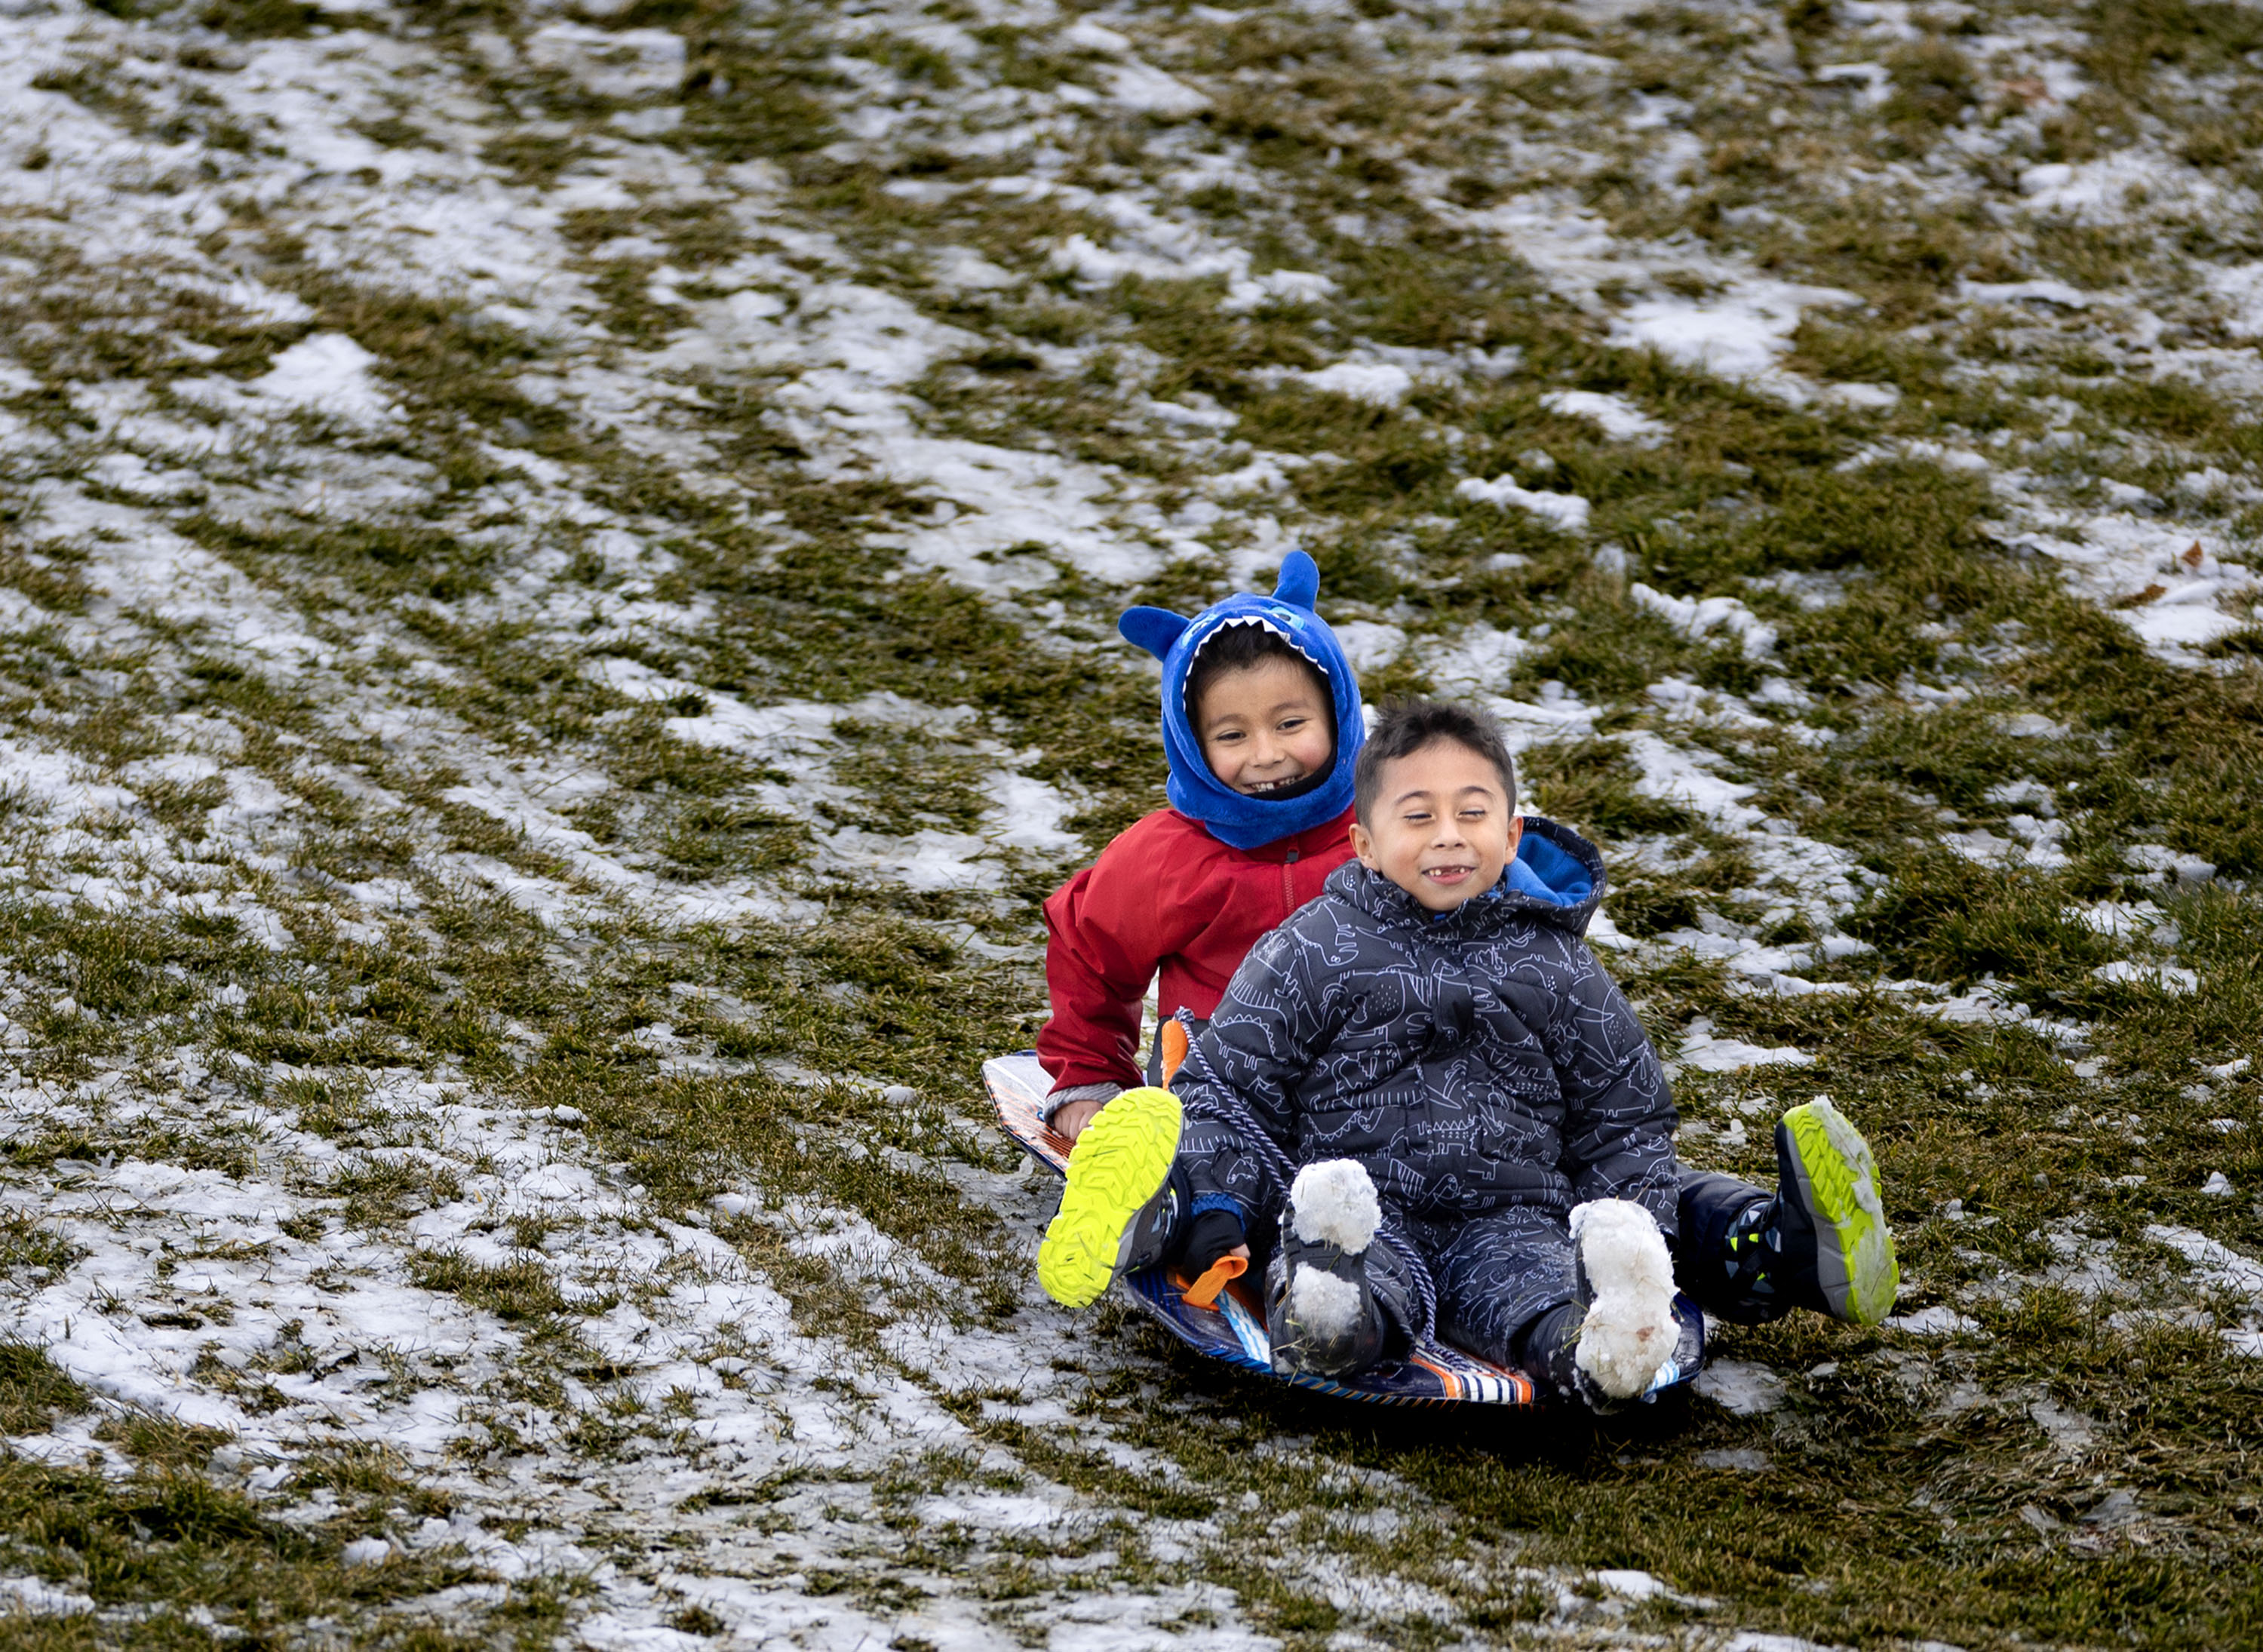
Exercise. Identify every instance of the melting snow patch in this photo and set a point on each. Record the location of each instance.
(1710, 1054)
(1275, 286)
(1476, 664)
(2032, 793)
(1868, 398)
(1677, 775)
(2056, 293)
(1378, 383)
(2110, 188)
(964, 270)
(366, 1551)
(1874, 81)
(2034, 843)
(1620, 419)
(1143, 87)
(2241, 285)
(1567, 511)
(1987, 1006)
(1739, 1388)
(1741, 333)
(1368, 644)
(1633, 1586)
(2167, 581)
(1695, 617)
(1027, 813)
(2116, 918)
(2216, 1263)
(1738, 1459)
(2160, 977)
(2157, 863)
(1937, 1320)
(1184, 260)
(2070, 1431)
(328, 374)
(612, 62)
(36, 1598)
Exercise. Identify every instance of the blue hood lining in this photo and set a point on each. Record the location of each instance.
(1545, 871)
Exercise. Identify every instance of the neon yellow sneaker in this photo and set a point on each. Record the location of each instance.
(1830, 1226)
(1121, 1203)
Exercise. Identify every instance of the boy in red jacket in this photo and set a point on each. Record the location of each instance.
(1262, 724)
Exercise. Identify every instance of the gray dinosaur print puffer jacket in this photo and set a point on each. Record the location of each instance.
(1471, 1061)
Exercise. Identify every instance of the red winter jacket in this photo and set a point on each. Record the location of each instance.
(1167, 895)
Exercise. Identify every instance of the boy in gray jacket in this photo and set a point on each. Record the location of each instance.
(1426, 1100)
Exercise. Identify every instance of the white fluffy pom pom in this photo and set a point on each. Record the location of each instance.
(1628, 1334)
(1320, 1304)
(1333, 1203)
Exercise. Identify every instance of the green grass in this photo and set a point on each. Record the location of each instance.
(168, 1544)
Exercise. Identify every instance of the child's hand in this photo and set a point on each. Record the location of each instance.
(1075, 1115)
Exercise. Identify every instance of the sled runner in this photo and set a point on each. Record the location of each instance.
(1232, 1327)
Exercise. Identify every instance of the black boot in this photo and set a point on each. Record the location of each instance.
(1330, 1311)
(1728, 1256)
(1551, 1348)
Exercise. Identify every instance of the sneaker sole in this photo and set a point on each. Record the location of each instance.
(1838, 1176)
(1119, 1164)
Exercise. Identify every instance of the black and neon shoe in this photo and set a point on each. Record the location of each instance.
(1122, 1204)
(1833, 1250)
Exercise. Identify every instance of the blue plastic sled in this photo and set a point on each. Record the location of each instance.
(1234, 1329)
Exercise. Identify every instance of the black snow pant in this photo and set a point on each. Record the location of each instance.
(1496, 1273)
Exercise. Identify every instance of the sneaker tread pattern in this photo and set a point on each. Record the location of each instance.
(1117, 1166)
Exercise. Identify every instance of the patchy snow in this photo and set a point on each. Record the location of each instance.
(1379, 383)
(1741, 1387)
(1617, 417)
(1707, 1054)
(2218, 1265)
(327, 374)
(1696, 616)
(1566, 511)
(1741, 333)
(1249, 293)
(1685, 775)
(1368, 644)
(1937, 1320)
(2169, 978)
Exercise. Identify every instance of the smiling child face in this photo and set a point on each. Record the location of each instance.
(1265, 727)
(1442, 829)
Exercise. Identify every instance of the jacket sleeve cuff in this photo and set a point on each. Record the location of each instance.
(1101, 1093)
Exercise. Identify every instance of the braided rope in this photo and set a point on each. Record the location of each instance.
(1228, 1108)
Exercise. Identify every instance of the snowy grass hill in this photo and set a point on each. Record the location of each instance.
(557, 577)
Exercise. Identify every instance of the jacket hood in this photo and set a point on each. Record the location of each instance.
(1557, 878)
(1242, 822)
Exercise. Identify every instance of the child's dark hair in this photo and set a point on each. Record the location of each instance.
(1406, 726)
(1237, 648)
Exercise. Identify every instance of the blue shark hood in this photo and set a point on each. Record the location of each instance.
(1245, 822)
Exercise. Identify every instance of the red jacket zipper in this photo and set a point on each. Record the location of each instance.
(1288, 886)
